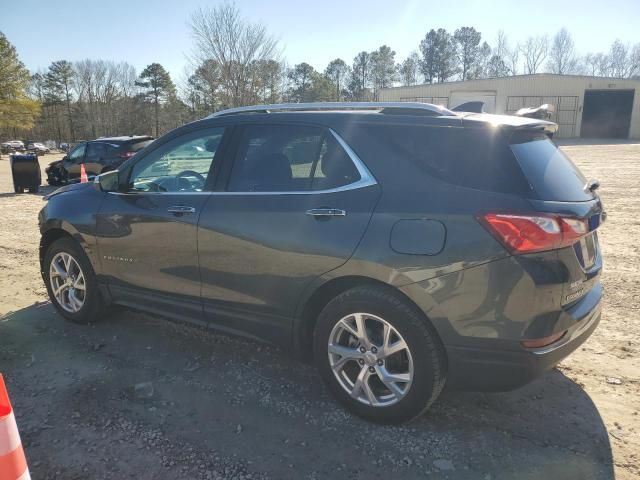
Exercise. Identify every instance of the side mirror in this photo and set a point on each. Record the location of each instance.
(108, 181)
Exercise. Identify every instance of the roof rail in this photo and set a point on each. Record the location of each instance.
(384, 107)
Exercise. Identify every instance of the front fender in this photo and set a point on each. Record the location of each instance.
(73, 214)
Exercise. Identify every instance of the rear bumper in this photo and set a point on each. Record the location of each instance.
(490, 369)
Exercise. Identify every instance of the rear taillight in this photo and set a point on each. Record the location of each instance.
(127, 155)
(534, 232)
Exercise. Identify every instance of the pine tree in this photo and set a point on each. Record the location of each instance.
(159, 88)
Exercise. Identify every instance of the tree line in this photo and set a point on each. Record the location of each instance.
(237, 62)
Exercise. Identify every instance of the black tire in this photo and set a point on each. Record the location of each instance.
(427, 352)
(94, 308)
(34, 189)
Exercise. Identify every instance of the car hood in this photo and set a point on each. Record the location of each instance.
(72, 187)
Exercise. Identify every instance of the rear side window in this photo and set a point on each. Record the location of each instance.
(473, 158)
(549, 171)
(273, 158)
(95, 152)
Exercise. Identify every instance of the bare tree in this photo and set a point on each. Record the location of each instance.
(223, 35)
(513, 59)
(624, 60)
(634, 60)
(502, 45)
(562, 57)
(534, 51)
(596, 64)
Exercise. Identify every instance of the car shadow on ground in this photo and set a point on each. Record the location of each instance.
(213, 402)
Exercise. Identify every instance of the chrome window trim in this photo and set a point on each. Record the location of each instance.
(366, 180)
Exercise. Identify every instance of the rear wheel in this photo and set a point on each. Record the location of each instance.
(378, 356)
(71, 282)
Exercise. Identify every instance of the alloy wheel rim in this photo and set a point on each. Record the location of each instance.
(68, 283)
(370, 359)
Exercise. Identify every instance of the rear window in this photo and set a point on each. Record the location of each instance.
(550, 173)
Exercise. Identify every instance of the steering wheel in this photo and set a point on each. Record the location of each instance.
(183, 184)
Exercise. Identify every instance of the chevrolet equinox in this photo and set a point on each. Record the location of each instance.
(401, 246)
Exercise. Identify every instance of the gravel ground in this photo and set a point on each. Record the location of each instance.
(141, 397)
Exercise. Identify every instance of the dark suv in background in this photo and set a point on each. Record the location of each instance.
(98, 156)
(400, 246)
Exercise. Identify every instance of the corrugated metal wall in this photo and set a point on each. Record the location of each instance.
(565, 92)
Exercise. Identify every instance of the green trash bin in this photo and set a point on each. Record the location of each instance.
(25, 170)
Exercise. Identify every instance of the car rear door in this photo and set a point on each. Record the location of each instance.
(147, 234)
(295, 206)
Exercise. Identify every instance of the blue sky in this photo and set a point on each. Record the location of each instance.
(142, 31)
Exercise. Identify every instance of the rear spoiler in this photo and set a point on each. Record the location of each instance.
(548, 128)
(511, 123)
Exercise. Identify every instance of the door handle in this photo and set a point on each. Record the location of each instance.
(326, 212)
(181, 209)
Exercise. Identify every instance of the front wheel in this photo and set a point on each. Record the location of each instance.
(378, 356)
(71, 282)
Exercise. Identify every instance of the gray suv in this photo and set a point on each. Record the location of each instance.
(400, 246)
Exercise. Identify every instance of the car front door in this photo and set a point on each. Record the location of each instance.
(147, 234)
(72, 162)
(295, 206)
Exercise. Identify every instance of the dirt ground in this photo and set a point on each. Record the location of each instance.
(222, 407)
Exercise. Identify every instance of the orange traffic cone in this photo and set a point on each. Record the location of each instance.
(83, 174)
(13, 464)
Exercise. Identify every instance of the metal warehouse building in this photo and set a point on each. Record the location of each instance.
(585, 106)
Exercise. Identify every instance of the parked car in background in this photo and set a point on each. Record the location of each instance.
(402, 246)
(64, 147)
(12, 146)
(98, 156)
(37, 148)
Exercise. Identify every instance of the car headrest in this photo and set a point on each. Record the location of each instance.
(271, 169)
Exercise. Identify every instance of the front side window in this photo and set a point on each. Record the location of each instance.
(277, 158)
(181, 165)
(77, 154)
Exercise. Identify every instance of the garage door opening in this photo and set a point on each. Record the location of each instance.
(607, 113)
